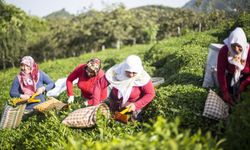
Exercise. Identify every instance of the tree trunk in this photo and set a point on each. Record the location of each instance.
(103, 47)
(134, 41)
(199, 27)
(118, 44)
(12, 61)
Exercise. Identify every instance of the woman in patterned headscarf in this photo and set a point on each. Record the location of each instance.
(87, 75)
(29, 81)
(233, 66)
(131, 87)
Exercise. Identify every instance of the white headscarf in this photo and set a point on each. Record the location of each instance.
(237, 36)
(117, 77)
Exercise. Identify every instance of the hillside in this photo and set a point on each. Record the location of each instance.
(59, 36)
(210, 5)
(154, 7)
(61, 14)
(179, 102)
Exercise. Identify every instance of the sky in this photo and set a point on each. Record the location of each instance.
(44, 7)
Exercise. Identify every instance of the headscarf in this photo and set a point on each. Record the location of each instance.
(117, 77)
(94, 65)
(239, 60)
(28, 81)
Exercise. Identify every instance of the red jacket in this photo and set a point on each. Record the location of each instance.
(141, 96)
(223, 65)
(85, 83)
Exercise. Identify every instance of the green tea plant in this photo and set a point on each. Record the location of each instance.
(161, 135)
(179, 60)
(238, 126)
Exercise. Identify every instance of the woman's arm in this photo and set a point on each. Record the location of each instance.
(102, 83)
(244, 84)
(14, 91)
(72, 76)
(221, 69)
(148, 95)
(47, 80)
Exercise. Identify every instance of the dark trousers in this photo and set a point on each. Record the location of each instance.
(234, 90)
(115, 105)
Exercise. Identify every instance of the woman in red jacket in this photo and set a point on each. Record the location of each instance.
(131, 86)
(233, 66)
(87, 75)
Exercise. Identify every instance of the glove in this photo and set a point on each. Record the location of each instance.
(86, 103)
(131, 107)
(71, 99)
(228, 99)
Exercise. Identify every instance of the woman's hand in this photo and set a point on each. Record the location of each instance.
(24, 96)
(40, 90)
(131, 107)
(70, 99)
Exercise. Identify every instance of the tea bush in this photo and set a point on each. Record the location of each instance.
(238, 128)
(161, 135)
(179, 60)
(184, 101)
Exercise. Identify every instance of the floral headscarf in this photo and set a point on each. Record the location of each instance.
(28, 81)
(93, 65)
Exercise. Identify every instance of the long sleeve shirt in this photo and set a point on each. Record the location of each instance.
(85, 83)
(44, 80)
(223, 65)
(140, 96)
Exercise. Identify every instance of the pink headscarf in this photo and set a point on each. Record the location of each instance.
(28, 81)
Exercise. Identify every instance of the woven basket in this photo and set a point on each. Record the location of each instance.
(12, 116)
(215, 107)
(51, 104)
(86, 117)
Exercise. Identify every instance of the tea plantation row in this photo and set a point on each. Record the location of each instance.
(172, 121)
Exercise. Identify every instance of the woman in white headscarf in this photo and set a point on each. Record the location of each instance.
(233, 66)
(131, 86)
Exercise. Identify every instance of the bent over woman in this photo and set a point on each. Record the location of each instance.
(233, 66)
(131, 87)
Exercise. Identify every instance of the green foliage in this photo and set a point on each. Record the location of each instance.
(181, 60)
(230, 6)
(162, 135)
(238, 128)
(17, 32)
(92, 30)
(244, 21)
(185, 101)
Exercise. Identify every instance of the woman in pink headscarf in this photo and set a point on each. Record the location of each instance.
(233, 66)
(87, 75)
(29, 81)
(131, 87)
